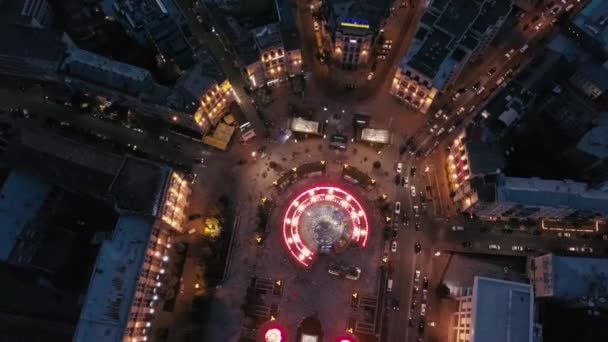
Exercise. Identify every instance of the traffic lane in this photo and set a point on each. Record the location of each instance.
(402, 280)
(506, 241)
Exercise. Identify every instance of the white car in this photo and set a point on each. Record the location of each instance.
(439, 113)
(316, 25)
(413, 189)
(480, 90)
(500, 80)
(457, 228)
(397, 207)
(370, 75)
(510, 53)
(451, 129)
(432, 129)
(460, 111)
(517, 248)
(417, 276)
(399, 167)
(394, 246)
(406, 181)
(440, 131)
(423, 309)
(586, 249)
(523, 48)
(494, 247)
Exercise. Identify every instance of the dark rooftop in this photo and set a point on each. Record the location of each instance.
(27, 42)
(139, 186)
(129, 183)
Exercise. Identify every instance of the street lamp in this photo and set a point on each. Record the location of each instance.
(437, 253)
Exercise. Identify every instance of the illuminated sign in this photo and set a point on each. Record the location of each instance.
(353, 41)
(355, 25)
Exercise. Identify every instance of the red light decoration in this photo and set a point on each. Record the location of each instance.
(357, 220)
(273, 335)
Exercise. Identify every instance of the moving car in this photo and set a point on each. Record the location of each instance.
(417, 226)
(425, 283)
(394, 246)
(517, 248)
(397, 207)
(370, 75)
(439, 113)
(417, 248)
(399, 167)
(523, 48)
(457, 228)
(460, 111)
(417, 276)
(491, 71)
(510, 53)
(433, 128)
(413, 190)
(494, 247)
(423, 309)
(395, 304)
(416, 211)
(389, 285)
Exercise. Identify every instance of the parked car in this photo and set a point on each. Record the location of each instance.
(517, 248)
(457, 228)
(397, 208)
(394, 246)
(418, 248)
(422, 309)
(399, 167)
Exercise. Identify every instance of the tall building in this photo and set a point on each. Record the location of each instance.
(590, 28)
(128, 279)
(569, 278)
(450, 34)
(206, 87)
(159, 23)
(495, 310)
(352, 28)
(269, 54)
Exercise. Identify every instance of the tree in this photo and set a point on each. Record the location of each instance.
(212, 228)
(377, 165)
(443, 291)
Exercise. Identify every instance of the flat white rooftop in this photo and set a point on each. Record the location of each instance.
(107, 305)
(502, 311)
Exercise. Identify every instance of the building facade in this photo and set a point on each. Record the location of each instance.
(352, 27)
(443, 46)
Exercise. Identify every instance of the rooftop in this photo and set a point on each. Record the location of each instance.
(484, 158)
(139, 186)
(570, 278)
(267, 36)
(107, 305)
(25, 42)
(595, 142)
(593, 20)
(130, 183)
(502, 311)
(450, 27)
(21, 196)
(552, 193)
(360, 11)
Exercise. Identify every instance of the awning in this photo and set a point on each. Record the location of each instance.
(221, 136)
(304, 126)
(376, 135)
